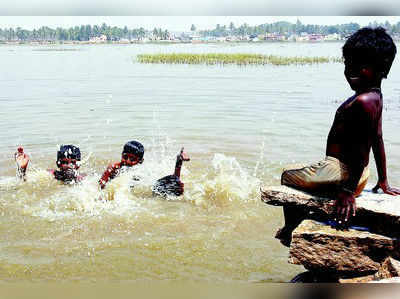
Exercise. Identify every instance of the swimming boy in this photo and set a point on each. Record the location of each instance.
(368, 55)
(68, 163)
(172, 184)
(132, 154)
(22, 160)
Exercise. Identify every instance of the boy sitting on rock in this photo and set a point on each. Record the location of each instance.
(368, 55)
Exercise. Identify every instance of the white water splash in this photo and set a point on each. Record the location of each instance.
(226, 183)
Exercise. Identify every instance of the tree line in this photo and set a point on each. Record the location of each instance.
(86, 32)
(288, 28)
(77, 33)
(282, 27)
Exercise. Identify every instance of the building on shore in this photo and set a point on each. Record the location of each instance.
(98, 39)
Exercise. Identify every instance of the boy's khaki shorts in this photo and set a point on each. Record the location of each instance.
(325, 175)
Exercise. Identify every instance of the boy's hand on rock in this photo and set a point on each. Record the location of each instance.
(386, 188)
(345, 206)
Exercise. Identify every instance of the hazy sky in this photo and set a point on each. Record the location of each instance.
(199, 7)
(179, 23)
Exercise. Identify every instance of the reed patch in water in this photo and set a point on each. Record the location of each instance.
(56, 50)
(238, 59)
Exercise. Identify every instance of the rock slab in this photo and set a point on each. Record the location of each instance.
(389, 271)
(351, 253)
(379, 212)
(390, 268)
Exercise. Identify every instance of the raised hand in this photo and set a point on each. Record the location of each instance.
(183, 155)
(22, 160)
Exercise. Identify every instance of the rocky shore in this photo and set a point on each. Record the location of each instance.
(369, 250)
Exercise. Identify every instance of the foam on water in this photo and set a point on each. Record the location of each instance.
(224, 182)
(81, 231)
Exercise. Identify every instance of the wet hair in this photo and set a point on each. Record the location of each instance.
(134, 147)
(68, 151)
(372, 47)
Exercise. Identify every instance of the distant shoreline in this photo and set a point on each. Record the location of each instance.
(166, 42)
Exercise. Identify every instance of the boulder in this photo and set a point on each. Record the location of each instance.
(352, 253)
(389, 280)
(362, 279)
(390, 268)
(379, 212)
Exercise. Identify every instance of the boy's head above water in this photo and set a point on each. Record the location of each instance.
(132, 153)
(368, 55)
(68, 157)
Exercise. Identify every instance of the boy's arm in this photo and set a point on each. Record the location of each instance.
(378, 149)
(22, 161)
(105, 178)
(107, 175)
(345, 204)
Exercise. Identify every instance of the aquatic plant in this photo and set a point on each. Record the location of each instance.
(237, 58)
(56, 49)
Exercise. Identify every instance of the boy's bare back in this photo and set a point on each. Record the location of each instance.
(356, 128)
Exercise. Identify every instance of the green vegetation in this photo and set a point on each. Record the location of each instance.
(76, 33)
(114, 33)
(55, 50)
(239, 59)
(287, 28)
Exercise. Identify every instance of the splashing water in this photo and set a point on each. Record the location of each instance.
(223, 184)
(210, 231)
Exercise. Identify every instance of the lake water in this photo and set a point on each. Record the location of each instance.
(240, 126)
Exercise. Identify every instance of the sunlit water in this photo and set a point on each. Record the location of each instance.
(239, 125)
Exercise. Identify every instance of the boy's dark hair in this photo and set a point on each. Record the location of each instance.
(68, 151)
(372, 47)
(134, 147)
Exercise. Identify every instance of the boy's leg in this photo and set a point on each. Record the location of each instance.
(363, 181)
(293, 217)
(324, 174)
(322, 177)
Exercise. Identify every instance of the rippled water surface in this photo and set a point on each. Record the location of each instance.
(239, 125)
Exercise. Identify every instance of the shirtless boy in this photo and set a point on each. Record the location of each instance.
(132, 154)
(68, 163)
(368, 55)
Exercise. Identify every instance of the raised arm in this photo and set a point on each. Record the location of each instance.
(22, 160)
(179, 159)
(378, 149)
